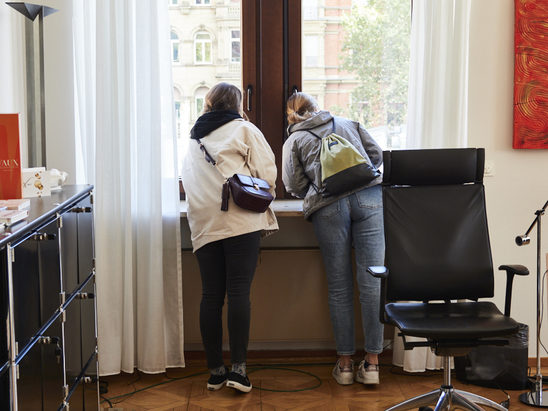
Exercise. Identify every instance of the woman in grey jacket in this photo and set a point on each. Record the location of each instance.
(351, 219)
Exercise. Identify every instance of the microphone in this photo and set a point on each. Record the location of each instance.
(523, 240)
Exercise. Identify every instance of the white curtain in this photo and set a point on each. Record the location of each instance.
(438, 105)
(125, 131)
(438, 76)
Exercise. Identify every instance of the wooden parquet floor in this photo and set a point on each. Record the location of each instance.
(281, 384)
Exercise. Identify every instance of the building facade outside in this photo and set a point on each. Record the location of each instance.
(206, 49)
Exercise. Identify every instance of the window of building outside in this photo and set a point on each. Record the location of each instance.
(235, 46)
(202, 47)
(177, 98)
(311, 51)
(199, 97)
(354, 60)
(310, 9)
(174, 47)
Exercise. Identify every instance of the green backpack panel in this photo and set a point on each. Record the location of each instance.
(343, 167)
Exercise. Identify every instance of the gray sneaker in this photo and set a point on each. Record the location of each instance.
(344, 376)
(367, 373)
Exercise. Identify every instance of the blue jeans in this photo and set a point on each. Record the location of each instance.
(355, 220)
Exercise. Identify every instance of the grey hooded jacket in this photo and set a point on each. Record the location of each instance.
(301, 172)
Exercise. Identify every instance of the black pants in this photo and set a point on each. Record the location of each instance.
(227, 267)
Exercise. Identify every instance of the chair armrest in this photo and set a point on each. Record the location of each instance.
(381, 272)
(511, 270)
(378, 271)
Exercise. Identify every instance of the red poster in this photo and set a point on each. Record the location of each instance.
(10, 157)
(530, 80)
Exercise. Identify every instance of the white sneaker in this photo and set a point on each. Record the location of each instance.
(367, 373)
(344, 376)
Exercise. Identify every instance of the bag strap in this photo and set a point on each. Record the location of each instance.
(332, 129)
(319, 138)
(225, 193)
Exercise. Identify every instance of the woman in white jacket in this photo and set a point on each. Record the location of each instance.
(226, 243)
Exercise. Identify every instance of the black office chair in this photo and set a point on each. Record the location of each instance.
(437, 252)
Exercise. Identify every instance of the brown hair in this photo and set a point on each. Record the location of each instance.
(223, 96)
(300, 106)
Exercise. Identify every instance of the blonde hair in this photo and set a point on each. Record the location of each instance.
(223, 96)
(300, 106)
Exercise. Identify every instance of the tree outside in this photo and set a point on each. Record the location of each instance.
(376, 51)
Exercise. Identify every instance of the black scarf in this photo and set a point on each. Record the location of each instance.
(210, 121)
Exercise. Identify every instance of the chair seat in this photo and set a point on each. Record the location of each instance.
(452, 321)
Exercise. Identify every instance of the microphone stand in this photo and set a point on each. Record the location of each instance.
(535, 397)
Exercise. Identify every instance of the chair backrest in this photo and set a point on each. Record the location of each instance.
(435, 222)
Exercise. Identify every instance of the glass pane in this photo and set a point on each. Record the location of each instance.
(175, 52)
(355, 61)
(199, 105)
(235, 51)
(207, 52)
(206, 35)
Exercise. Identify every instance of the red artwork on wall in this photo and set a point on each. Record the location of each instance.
(531, 74)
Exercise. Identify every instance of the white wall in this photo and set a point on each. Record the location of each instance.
(58, 69)
(519, 185)
(58, 72)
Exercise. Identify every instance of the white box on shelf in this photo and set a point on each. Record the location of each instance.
(35, 182)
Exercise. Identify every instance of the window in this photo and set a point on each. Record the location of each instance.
(356, 59)
(174, 47)
(351, 54)
(235, 46)
(310, 9)
(173, 2)
(201, 32)
(311, 51)
(199, 96)
(202, 48)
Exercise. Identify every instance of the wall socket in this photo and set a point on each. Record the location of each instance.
(489, 168)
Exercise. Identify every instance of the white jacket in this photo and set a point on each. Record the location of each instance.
(237, 147)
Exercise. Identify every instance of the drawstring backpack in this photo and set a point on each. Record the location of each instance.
(343, 167)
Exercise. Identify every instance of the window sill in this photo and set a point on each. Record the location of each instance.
(282, 208)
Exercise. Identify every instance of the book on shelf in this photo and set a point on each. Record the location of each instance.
(9, 217)
(10, 157)
(15, 204)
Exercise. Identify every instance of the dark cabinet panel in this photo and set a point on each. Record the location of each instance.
(73, 343)
(87, 313)
(26, 286)
(49, 262)
(86, 250)
(40, 383)
(69, 254)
